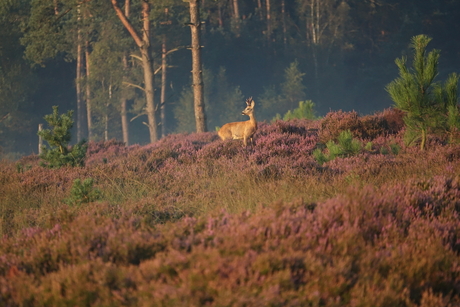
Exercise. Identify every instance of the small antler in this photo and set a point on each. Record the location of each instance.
(248, 101)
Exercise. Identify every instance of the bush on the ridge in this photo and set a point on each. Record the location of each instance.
(59, 153)
(368, 127)
(429, 106)
(304, 111)
(346, 146)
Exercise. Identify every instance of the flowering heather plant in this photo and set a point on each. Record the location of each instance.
(104, 151)
(191, 220)
(335, 252)
(388, 122)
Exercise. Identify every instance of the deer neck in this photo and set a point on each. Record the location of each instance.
(252, 119)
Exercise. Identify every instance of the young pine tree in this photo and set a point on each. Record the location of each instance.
(58, 138)
(425, 103)
(449, 95)
(278, 100)
(293, 88)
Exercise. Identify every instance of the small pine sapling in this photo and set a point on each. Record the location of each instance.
(452, 108)
(58, 138)
(428, 106)
(349, 145)
(346, 146)
(83, 192)
(304, 111)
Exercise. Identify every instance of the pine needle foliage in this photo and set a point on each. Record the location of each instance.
(304, 111)
(58, 137)
(425, 102)
(83, 192)
(346, 146)
(450, 97)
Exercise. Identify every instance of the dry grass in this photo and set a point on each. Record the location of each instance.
(193, 221)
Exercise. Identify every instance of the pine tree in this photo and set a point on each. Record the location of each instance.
(293, 88)
(449, 94)
(58, 138)
(425, 103)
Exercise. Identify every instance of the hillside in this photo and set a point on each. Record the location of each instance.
(194, 221)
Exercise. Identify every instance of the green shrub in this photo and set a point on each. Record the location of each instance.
(349, 145)
(58, 138)
(346, 146)
(395, 149)
(304, 111)
(428, 106)
(83, 192)
(368, 146)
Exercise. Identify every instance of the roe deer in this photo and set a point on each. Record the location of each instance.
(241, 130)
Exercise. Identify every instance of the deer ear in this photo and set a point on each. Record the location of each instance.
(249, 101)
(252, 103)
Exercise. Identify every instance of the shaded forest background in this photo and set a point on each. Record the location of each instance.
(339, 54)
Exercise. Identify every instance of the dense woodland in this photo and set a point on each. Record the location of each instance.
(78, 55)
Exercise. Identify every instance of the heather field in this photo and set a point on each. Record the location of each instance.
(194, 221)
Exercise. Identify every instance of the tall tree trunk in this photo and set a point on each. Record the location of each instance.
(219, 15)
(236, 10)
(163, 87)
(40, 139)
(318, 17)
(236, 17)
(147, 62)
(149, 76)
(106, 128)
(124, 100)
(312, 22)
(88, 93)
(124, 107)
(56, 7)
(197, 76)
(78, 83)
(259, 6)
(283, 12)
(269, 22)
(312, 37)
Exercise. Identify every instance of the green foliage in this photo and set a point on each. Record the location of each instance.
(319, 156)
(270, 102)
(304, 111)
(184, 112)
(44, 37)
(20, 168)
(428, 106)
(368, 146)
(395, 149)
(451, 105)
(345, 146)
(58, 138)
(224, 102)
(349, 145)
(292, 90)
(18, 83)
(83, 192)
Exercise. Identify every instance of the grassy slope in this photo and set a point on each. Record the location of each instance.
(195, 221)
